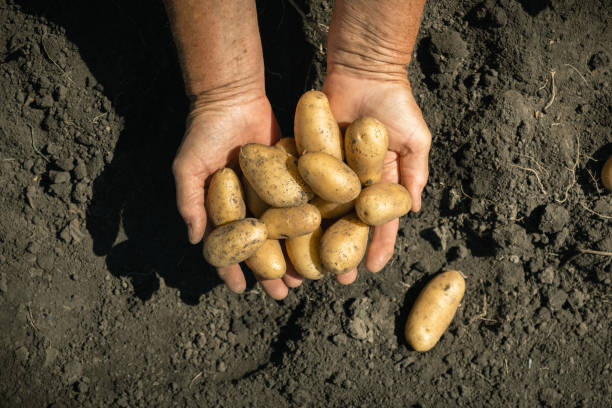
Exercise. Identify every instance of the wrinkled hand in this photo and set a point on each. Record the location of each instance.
(215, 131)
(391, 102)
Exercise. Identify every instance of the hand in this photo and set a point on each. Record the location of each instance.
(389, 100)
(215, 131)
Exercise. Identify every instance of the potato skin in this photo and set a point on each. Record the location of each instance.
(225, 198)
(382, 202)
(303, 251)
(365, 144)
(287, 145)
(268, 261)
(606, 174)
(332, 210)
(291, 222)
(329, 178)
(315, 128)
(433, 310)
(344, 244)
(234, 242)
(256, 205)
(273, 175)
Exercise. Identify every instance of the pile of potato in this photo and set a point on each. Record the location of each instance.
(291, 187)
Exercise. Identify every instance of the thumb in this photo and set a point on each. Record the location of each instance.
(190, 199)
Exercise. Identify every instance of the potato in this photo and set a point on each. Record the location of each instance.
(344, 244)
(256, 205)
(268, 262)
(273, 175)
(234, 242)
(332, 210)
(287, 145)
(315, 128)
(303, 251)
(606, 174)
(381, 203)
(433, 310)
(365, 144)
(225, 199)
(291, 222)
(329, 178)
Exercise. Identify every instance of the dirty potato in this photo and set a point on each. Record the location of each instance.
(268, 261)
(365, 144)
(606, 174)
(303, 251)
(234, 242)
(256, 205)
(292, 221)
(332, 210)
(382, 202)
(287, 145)
(273, 175)
(315, 128)
(329, 178)
(344, 244)
(433, 310)
(225, 199)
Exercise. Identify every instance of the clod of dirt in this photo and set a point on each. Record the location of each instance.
(367, 319)
(72, 371)
(556, 298)
(599, 60)
(553, 220)
(510, 275)
(547, 276)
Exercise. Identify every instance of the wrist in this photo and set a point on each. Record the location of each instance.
(239, 90)
(373, 39)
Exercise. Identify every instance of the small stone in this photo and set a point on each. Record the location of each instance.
(33, 247)
(46, 261)
(200, 340)
(221, 367)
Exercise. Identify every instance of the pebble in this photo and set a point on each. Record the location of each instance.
(553, 220)
(80, 171)
(547, 276)
(58, 177)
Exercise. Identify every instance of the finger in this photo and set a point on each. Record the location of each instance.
(414, 172)
(190, 201)
(347, 278)
(233, 278)
(382, 245)
(275, 288)
(291, 277)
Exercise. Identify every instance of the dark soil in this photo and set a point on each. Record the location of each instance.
(103, 302)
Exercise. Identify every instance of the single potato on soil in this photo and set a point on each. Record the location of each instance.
(365, 144)
(234, 242)
(292, 221)
(274, 176)
(382, 202)
(329, 178)
(433, 310)
(268, 261)
(303, 251)
(315, 128)
(225, 198)
(343, 244)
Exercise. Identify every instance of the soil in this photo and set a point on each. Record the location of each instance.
(104, 303)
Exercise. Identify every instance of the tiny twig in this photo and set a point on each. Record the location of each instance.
(194, 379)
(595, 212)
(535, 172)
(572, 171)
(554, 91)
(482, 315)
(578, 72)
(543, 86)
(34, 144)
(31, 319)
(594, 252)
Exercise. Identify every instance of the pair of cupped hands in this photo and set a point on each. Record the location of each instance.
(217, 128)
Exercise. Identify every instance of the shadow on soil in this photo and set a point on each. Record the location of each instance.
(128, 48)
